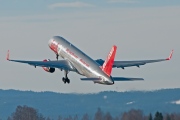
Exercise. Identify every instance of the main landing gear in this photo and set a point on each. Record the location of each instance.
(66, 79)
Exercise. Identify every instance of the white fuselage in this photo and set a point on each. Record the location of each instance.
(82, 63)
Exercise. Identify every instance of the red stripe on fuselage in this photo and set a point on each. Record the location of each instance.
(54, 46)
(74, 55)
(71, 53)
(83, 62)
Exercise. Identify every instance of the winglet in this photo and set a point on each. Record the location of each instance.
(7, 56)
(170, 56)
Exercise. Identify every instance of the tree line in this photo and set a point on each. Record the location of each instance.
(30, 113)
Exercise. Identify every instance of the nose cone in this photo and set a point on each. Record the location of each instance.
(49, 42)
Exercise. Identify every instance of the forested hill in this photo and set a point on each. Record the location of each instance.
(55, 104)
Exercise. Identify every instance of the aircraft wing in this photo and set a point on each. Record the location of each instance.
(123, 64)
(61, 64)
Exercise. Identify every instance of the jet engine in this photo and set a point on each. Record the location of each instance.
(48, 69)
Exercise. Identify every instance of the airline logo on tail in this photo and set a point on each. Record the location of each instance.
(108, 64)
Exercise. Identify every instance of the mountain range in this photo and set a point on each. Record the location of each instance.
(54, 104)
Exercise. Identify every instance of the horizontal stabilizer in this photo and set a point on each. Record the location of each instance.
(90, 79)
(126, 79)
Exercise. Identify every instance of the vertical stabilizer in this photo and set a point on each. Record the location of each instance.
(108, 64)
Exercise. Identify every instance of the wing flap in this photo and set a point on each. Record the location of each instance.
(123, 64)
(61, 64)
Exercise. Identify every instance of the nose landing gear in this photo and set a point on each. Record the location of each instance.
(57, 56)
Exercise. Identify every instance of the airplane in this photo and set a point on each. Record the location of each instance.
(98, 71)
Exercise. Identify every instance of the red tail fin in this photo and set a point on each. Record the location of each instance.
(108, 64)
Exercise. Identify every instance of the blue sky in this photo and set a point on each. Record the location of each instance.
(34, 7)
(142, 29)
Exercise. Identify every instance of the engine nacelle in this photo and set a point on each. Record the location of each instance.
(48, 69)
